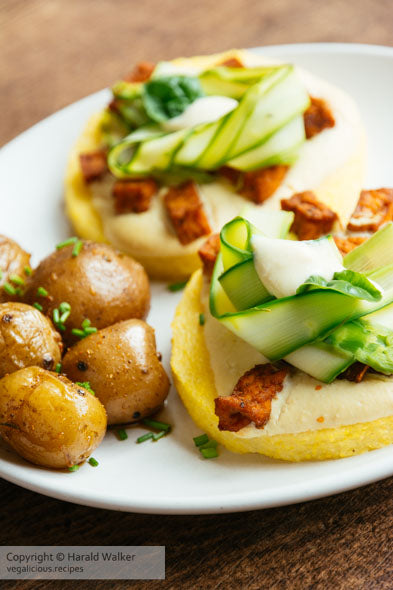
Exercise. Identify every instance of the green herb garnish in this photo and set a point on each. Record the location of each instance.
(144, 437)
(167, 97)
(41, 292)
(73, 468)
(17, 280)
(80, 333)
(93, 462)
(200, 440)
(28, 271)
(177, 286)
(58, 368)
(85, 330)
(348, 282)
(157, 425)
(207, 447)
(67, 242)
(202, 319)
(121, 434)
(60, 315)
(77, 248)
(209, 453)
(9, 289)
(210, 444)
(38, 306)
(159, 435)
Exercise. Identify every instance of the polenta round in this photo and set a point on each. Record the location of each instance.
(195, 382)
(331, 164)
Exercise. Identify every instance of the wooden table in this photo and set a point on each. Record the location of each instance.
(53, 52)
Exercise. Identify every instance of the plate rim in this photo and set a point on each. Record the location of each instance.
(240, 501)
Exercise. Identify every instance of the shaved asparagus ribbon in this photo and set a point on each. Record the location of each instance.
(322, 331)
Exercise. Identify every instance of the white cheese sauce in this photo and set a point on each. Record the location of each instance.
(283, 265)
(304, 403)
(320, 157)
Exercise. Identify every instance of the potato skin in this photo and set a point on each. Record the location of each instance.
(100, 284)
(13, 260)
(47, 419)
(27, 338)
(121, 365)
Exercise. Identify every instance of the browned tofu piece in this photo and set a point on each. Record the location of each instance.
(93, 165)
(251, 400)
(346, 245)
(186, 212)
(231, 174)
(208, 253)
(133, 196)
(355, 372)
(232, 62)
(141, 72)
(312, 218)
(374, 208)
(259, 185)
(317, 117)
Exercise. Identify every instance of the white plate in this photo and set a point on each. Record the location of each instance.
(170, 476)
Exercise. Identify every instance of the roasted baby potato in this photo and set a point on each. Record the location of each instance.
(99, 283)
(122, 366)
(27, 338)
(48, 419)
(14, 263)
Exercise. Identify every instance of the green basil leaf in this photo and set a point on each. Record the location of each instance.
(165, 98)
(348, 282)
(371, 345)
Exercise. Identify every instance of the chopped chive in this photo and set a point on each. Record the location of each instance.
(61, 327)
(38, 306)
(157, 425)
(211, 444)
(41, 292)
(64, 306)
(202, 439)
(202, 319)
(86, 323)
(67, 242)
(144, 437)
(93, 462)
(90, 330)
(9, 289)
(77, 332)
(77, 248)
(73, 468)
(86, 385)
(19, 291)
(122, 435)
(58, 368)
(64, 317)
(28, 271)
(177, 286)
(159, 435)
(56, 316)
(209, 453)
(17, 280)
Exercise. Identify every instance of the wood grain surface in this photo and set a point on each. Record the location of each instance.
(53, 52)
